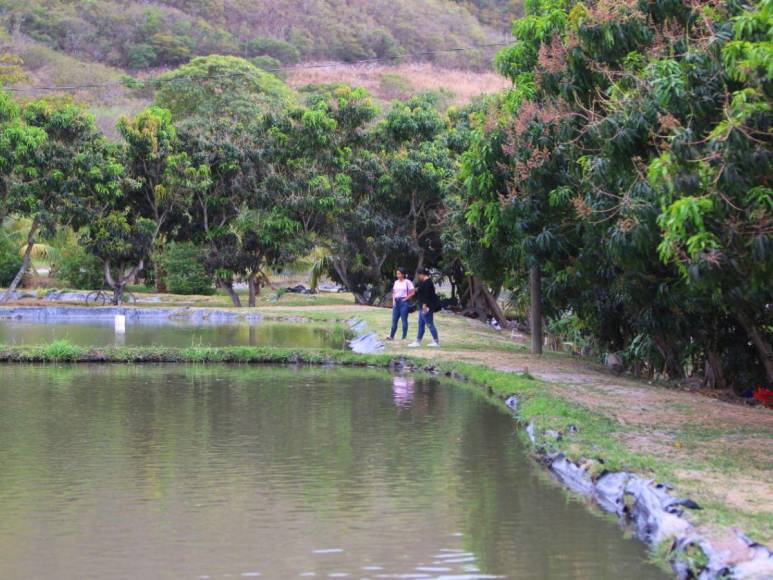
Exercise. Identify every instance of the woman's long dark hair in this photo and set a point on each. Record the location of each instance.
(403, 271)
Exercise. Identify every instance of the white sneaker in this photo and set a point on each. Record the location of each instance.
(434, 344)
(414, 344)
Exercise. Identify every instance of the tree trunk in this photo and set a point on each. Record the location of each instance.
(228, 286)
(494, 308)
(25, 263)
(118, 293)
(714, 375)
(673, 366)
(254, 289)
(483, 303)
(125, 277)
(535, 291)
(476, 304)
(420, 261)
(359, 298)
(158, 277)
(764, 348)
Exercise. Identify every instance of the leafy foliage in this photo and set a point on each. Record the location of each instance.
(184, 269)
(10, 261)
(80, 269)
(217, 86)
(631, 162)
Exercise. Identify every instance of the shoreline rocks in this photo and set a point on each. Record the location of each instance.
(133, 315)
(364, 342)
(657, 516)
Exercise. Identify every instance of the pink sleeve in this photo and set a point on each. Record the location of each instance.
(410, 285)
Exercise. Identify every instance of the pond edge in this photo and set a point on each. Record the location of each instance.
(656, 516)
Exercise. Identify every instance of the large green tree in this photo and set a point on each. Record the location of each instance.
(255, 242)
(163, 180)
(55, 161)
(418, 168)
(220, 87)
(631, 163)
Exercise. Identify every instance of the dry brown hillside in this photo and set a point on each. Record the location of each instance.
(388, 82)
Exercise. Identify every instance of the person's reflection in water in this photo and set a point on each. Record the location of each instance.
(402, 391)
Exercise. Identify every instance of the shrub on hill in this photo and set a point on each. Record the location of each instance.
(79, 269)
(275, 48)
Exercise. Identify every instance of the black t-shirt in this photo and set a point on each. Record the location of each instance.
(425, 293)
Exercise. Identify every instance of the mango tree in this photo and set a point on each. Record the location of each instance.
(418, 169)
(220, 87)
(52, 183)
(122, 240)
(631, 161)
(222, 147)
(254, 242)
(162, 179)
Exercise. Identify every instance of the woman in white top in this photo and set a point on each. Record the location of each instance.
(402, 292)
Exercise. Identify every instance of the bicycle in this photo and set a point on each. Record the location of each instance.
(102, 298)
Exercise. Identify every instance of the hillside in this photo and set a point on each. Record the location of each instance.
(410, 45)
(139, 35)
(400, 81)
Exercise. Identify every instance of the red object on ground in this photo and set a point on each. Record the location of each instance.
(764, 396)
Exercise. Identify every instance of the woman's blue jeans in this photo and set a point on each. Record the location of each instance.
(426, 319)
(400, 311)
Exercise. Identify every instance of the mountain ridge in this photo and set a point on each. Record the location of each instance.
(409, 45)
(138, 35)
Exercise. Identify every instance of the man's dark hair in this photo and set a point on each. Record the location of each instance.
(423, 271)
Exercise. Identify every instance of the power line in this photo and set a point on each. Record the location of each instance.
(157, 80)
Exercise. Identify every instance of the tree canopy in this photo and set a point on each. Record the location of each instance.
(631, 163)
(620, 188)
(220, 86)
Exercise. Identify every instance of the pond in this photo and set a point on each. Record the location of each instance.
(101, 332)
(113, 471)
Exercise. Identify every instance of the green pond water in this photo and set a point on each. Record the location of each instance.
(178, 334)
(110, 471)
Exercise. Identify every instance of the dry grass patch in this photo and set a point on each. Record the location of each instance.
(400, 81)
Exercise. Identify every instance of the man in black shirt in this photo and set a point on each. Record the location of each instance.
(428, 305)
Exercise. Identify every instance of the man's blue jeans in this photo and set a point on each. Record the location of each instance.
(400, 311)
(426, 319)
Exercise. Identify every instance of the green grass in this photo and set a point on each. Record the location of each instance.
(64, 351)
(59, 351)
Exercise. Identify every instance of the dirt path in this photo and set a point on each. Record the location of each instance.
(629, 401)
